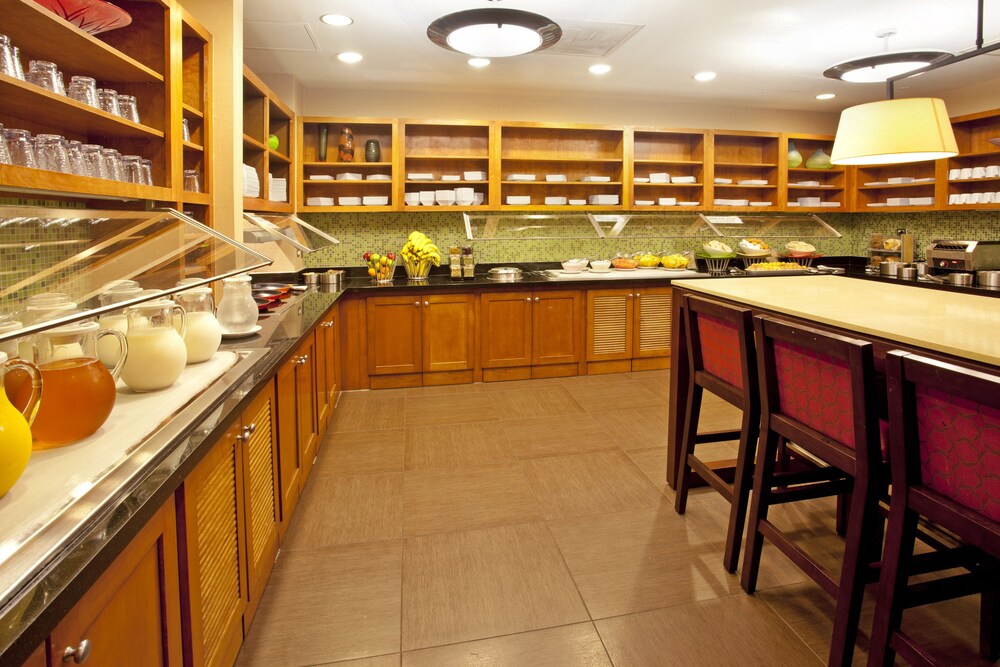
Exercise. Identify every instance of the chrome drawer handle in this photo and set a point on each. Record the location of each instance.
(78, 654)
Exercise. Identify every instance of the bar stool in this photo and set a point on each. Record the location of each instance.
(816, 392)
(944, 425)
(722, 361)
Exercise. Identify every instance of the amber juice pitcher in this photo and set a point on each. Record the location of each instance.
(79, 392)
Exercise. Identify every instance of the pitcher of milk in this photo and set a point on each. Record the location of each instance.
(79, 390)
(15, 431)
(156, 351)
(204, 333)
(113, 292)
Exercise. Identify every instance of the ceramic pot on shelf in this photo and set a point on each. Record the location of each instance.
(322, 132)
(819, 160)
(794, 156)
(373, 152)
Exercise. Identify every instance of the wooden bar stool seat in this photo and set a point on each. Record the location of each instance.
(945, 451)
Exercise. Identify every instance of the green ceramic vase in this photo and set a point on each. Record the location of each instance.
(819, 160)
(794, 156)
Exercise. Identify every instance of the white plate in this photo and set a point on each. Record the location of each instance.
(242, 334)
(572, 272)
(667, 268)
(648, 268)
(618, 269)
(600, 270)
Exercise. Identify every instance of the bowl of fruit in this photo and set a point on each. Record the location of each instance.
(624, 262)
(419, 254)
(675, 261)
(647, 259)
(799, 249)
(754, 248)
(715, 248)
(381, 267)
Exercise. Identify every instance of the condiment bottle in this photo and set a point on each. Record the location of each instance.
(156, 351)
(15, 425)
(204, 333)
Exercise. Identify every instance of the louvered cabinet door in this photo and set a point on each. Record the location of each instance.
(262, 492)
(213, 563)
(609, 324)
(652, 326)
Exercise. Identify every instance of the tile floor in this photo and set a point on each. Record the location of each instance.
(528, 523)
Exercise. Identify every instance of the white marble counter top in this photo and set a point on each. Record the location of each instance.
(963, 325)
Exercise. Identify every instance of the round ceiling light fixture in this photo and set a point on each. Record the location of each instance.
(826, 96)
(884, 66)
(600, 68)
(479, 63)
(704, 76)
(349, 57)
(338, 20)
(492, 32)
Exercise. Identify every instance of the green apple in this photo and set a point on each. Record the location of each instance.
(272, 142)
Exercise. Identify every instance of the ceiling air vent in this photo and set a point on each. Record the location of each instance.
(279, 36)
(591, 39)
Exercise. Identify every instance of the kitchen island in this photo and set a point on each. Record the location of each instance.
(944, 324)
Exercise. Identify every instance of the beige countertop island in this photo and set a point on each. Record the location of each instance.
(966, 326)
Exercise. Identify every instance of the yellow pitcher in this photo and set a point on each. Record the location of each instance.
(15, 426)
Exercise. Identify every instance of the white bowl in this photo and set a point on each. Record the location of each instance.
(600, 264)
(479, 199)
(573, 266)
(411, 198)
(716, 252)
(427, 197)
(349, 201)
(465, 193)
(444, 197)
(375, 200)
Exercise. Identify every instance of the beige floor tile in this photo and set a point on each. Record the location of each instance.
(449, 409)
(391, 660)
(950, 629)
(456, 446)
(523, 384)
(656, 381)
(326, 605)
(588, 484)
(360, 453)
(438, 501)
(566, 646)
(653, 463)
(444, 390)
(603, 380)
(636, 428)
(553, 436)
(735, 630)
(347, 510)
(476, 584)
(535, 402)
(368, 411)
(604, 397)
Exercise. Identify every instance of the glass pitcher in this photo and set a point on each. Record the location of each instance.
(79, 390)
(204, 333)
(15, 425)
(237, 309)
(113, 292)
(156, 351)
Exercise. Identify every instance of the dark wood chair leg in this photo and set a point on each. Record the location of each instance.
(989, 625)
(691, 418)
(742, 482)
(843, 513)
(899, 543)
(762, 483)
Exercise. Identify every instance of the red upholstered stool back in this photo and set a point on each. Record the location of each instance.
(815, 389)
(722, 350)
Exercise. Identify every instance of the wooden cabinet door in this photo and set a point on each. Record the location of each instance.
(609, 324)
(505, 330)
(213, 554)
(131, 615)
(448, 332)
(556, 328)
(394, 340)
(289, 467)
(305, 406)
(38, 658)
(326, 369)
(652, 322)
(260, 470)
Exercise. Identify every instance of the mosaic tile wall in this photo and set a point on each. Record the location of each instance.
(381, 232)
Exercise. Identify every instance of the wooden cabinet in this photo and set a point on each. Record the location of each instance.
(972, 133)
(298, 432)
(452, 150)
(666, 155)
(327, 370)
(263, 115)
(909, 186)
(428, 338)
(748, 164)
(343, 185)
(38, 658)
(830, 185)
(628, 329)
(195, 110)
(589, 159)
(229, 534)
(131, 615)
(305, 406)
(530, 334)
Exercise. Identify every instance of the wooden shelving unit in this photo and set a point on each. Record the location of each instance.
(447, 149)
(975, 154)
(264, 114)
(676, 153)
(745, 156)
(318, 178)
(195, 108)
(830, 185)
(877, 187)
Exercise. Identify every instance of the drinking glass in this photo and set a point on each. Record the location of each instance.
(108, 100)
(127, 108)
(17, 63)
(4, 151)
(8, 65)
(132, 168)
(192, 181)
(113, 160)
(84, 89)
(74, 152)
(95, 163)
(60, 83)
(22, 150)
(50, 153)
(146, 172)
(45, 75)
(185, 130)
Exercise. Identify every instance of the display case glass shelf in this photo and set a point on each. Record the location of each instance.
(76, 252)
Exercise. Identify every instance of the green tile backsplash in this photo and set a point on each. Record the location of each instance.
(382, 232)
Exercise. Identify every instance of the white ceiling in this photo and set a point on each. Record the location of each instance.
(768, 53)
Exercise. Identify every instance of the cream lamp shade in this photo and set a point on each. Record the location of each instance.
(913, 129)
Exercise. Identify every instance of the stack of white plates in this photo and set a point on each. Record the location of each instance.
(277, 188)
(413, 176)
(251, 182)
(577, 202)
(555, 201)
(321, 177)
(603, 200)
(683, 179)
(659, 177)
(474, 175)
(348, 176)
(644, 202)
(753, 181)
(349, 201)
(319, 201)
(451, 177)
(518, 200)
(555, 178)
(722, 181)
(375, 200)
(595, 179)
(521, 177)
(378, 177)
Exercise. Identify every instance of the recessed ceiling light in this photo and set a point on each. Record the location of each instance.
(479, 62)
(349, 57)
(600, 69)
(825, 96)
(492, 32)
(704, 76)
(336, 19)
